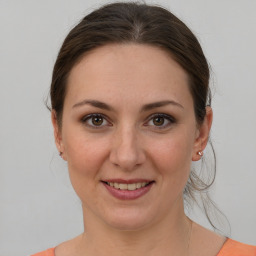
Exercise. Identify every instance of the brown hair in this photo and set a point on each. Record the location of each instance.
(142, 24)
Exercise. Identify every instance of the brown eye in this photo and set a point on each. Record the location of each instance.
(97, 120)
(158, 121)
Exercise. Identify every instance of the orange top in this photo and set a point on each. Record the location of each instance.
(49, 252)
(234, 248)
(230, 248)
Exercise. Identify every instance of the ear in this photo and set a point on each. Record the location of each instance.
(202, 135)
(57, 134)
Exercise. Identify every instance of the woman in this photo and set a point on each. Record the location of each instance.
(131, 110)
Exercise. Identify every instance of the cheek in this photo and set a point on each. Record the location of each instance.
(85, 160)
(172, 157)
(85, 157)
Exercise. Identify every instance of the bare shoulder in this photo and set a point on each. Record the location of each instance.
(205, 242)
(69, 247)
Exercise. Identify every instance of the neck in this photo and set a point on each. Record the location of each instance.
(169, 236)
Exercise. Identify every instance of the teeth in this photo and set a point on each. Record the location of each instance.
(132, 186)
(123, 186)
(138, 185)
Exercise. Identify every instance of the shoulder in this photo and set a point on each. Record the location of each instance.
(206, 242)
(235, 248)
(49, 252)
(66, 248)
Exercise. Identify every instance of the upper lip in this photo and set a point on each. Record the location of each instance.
(130, 181)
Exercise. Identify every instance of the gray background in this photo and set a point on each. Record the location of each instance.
(38, 208)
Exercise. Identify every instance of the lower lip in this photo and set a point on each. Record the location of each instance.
(128, 194)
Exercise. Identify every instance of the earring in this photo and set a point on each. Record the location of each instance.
(60, 154)
(200, 153)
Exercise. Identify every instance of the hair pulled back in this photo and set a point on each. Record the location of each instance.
(139, 23)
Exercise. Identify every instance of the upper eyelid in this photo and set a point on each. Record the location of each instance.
(85, 117)
(169, 117)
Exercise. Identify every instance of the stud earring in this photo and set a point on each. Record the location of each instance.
(200, 153)
(60, 154)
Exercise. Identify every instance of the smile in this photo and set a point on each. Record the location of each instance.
(128, 190)
(132, 186)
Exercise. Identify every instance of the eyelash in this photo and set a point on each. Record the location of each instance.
(85, 120)
(171, 120)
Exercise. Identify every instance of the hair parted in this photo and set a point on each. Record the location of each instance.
(139, 23)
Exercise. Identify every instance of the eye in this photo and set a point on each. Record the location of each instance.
(160, 121)
(95, 121)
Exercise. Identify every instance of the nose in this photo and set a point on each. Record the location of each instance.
(127, 151)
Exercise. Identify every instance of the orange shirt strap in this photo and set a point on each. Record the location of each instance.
(234, 248)
(49, 252)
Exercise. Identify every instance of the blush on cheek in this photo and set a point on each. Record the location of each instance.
(85, 158)
(174, 158)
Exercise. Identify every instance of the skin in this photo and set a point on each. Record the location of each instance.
(131, 144)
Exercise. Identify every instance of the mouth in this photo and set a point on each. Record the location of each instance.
(128, 186)
(128, 189)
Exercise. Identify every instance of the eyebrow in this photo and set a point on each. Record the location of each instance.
(147, 107)
(94, 103)
(159, 104)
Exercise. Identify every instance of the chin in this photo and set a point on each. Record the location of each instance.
(128, 220)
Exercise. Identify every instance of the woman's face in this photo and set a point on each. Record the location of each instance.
(129, 135)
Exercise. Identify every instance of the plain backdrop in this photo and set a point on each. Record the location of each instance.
(38, 208)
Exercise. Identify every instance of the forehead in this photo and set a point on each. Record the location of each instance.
(128, 72)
